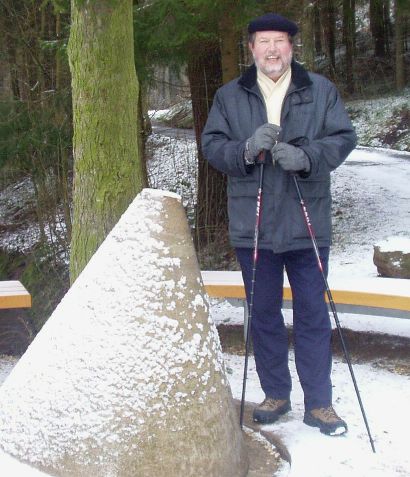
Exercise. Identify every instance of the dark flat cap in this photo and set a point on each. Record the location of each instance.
(272, 22)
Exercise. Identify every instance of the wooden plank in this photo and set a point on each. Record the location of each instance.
(377, 300)
(14, 295)
(229, 284)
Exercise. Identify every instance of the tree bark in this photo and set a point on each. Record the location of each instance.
(377, 15)
(107, 162)
(6, 72)
(229, 48)
(317, 31)
(349, 39)
(399, 45)
(308, 35)
(204, 74)
(328, 16)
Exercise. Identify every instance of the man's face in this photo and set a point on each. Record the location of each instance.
(272, 52)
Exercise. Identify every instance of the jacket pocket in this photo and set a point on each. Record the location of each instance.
(317, 201)
(318, 187)
(242, 195)
(242, 187)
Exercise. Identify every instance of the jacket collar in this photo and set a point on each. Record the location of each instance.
(300, 77)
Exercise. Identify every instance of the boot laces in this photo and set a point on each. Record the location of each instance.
(327, 414)
(272, 403)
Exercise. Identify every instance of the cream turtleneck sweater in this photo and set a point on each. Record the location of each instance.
(274, 93)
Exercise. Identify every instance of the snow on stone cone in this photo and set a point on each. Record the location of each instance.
(126, 378)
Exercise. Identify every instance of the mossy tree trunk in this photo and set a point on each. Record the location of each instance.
(107, 162)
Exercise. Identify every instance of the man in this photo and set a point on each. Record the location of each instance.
(298, 119)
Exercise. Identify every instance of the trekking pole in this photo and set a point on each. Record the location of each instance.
(332, 305)
(261, 163)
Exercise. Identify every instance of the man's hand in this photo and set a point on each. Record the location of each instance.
(290, 158)
(264, 138)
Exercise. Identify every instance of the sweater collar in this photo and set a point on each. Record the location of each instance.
(300, 77)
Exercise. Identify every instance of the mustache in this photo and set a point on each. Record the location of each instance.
(279, 56)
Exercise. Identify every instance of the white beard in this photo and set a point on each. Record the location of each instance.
(277, 69)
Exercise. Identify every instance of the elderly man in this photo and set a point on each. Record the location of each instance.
(299, 120)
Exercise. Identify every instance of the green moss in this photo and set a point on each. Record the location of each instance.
(108, 168)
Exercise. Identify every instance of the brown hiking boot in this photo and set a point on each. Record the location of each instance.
(326, 419)
(270, 410)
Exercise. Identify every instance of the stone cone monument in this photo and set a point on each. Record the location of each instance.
(127, 378)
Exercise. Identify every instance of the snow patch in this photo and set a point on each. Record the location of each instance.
(146, 193)
(394, 244)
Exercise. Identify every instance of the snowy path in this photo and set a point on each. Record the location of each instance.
(385, 397)
(371, 202)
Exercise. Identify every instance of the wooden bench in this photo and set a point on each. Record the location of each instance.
(14, 295)
(370, 296)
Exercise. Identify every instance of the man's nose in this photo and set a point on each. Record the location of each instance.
(272, 45)
(272, 49)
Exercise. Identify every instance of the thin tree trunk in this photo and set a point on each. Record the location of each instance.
(308, 35)
(317, 29)
(349, 39)
(387, 25)
(399, 46)
(328, 16)
(58, 62)
(6, 89)
(204, 74)
(107, 162)
(377, 27)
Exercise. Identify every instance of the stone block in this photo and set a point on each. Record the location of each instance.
(392, 257)
(127, 376)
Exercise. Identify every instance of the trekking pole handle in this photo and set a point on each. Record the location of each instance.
(261, 159)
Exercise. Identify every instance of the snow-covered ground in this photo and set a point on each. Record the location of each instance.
(375, 120)
(371, 192)
(371, 203)
(385, 397)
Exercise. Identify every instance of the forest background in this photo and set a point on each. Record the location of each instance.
(77, 80)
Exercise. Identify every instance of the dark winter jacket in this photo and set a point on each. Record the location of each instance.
(314, 118)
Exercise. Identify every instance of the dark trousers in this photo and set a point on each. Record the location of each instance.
(311, 323)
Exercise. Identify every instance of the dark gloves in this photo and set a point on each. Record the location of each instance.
(290, 158)
(264, 138)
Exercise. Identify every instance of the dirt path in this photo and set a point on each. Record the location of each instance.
(381, 350)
